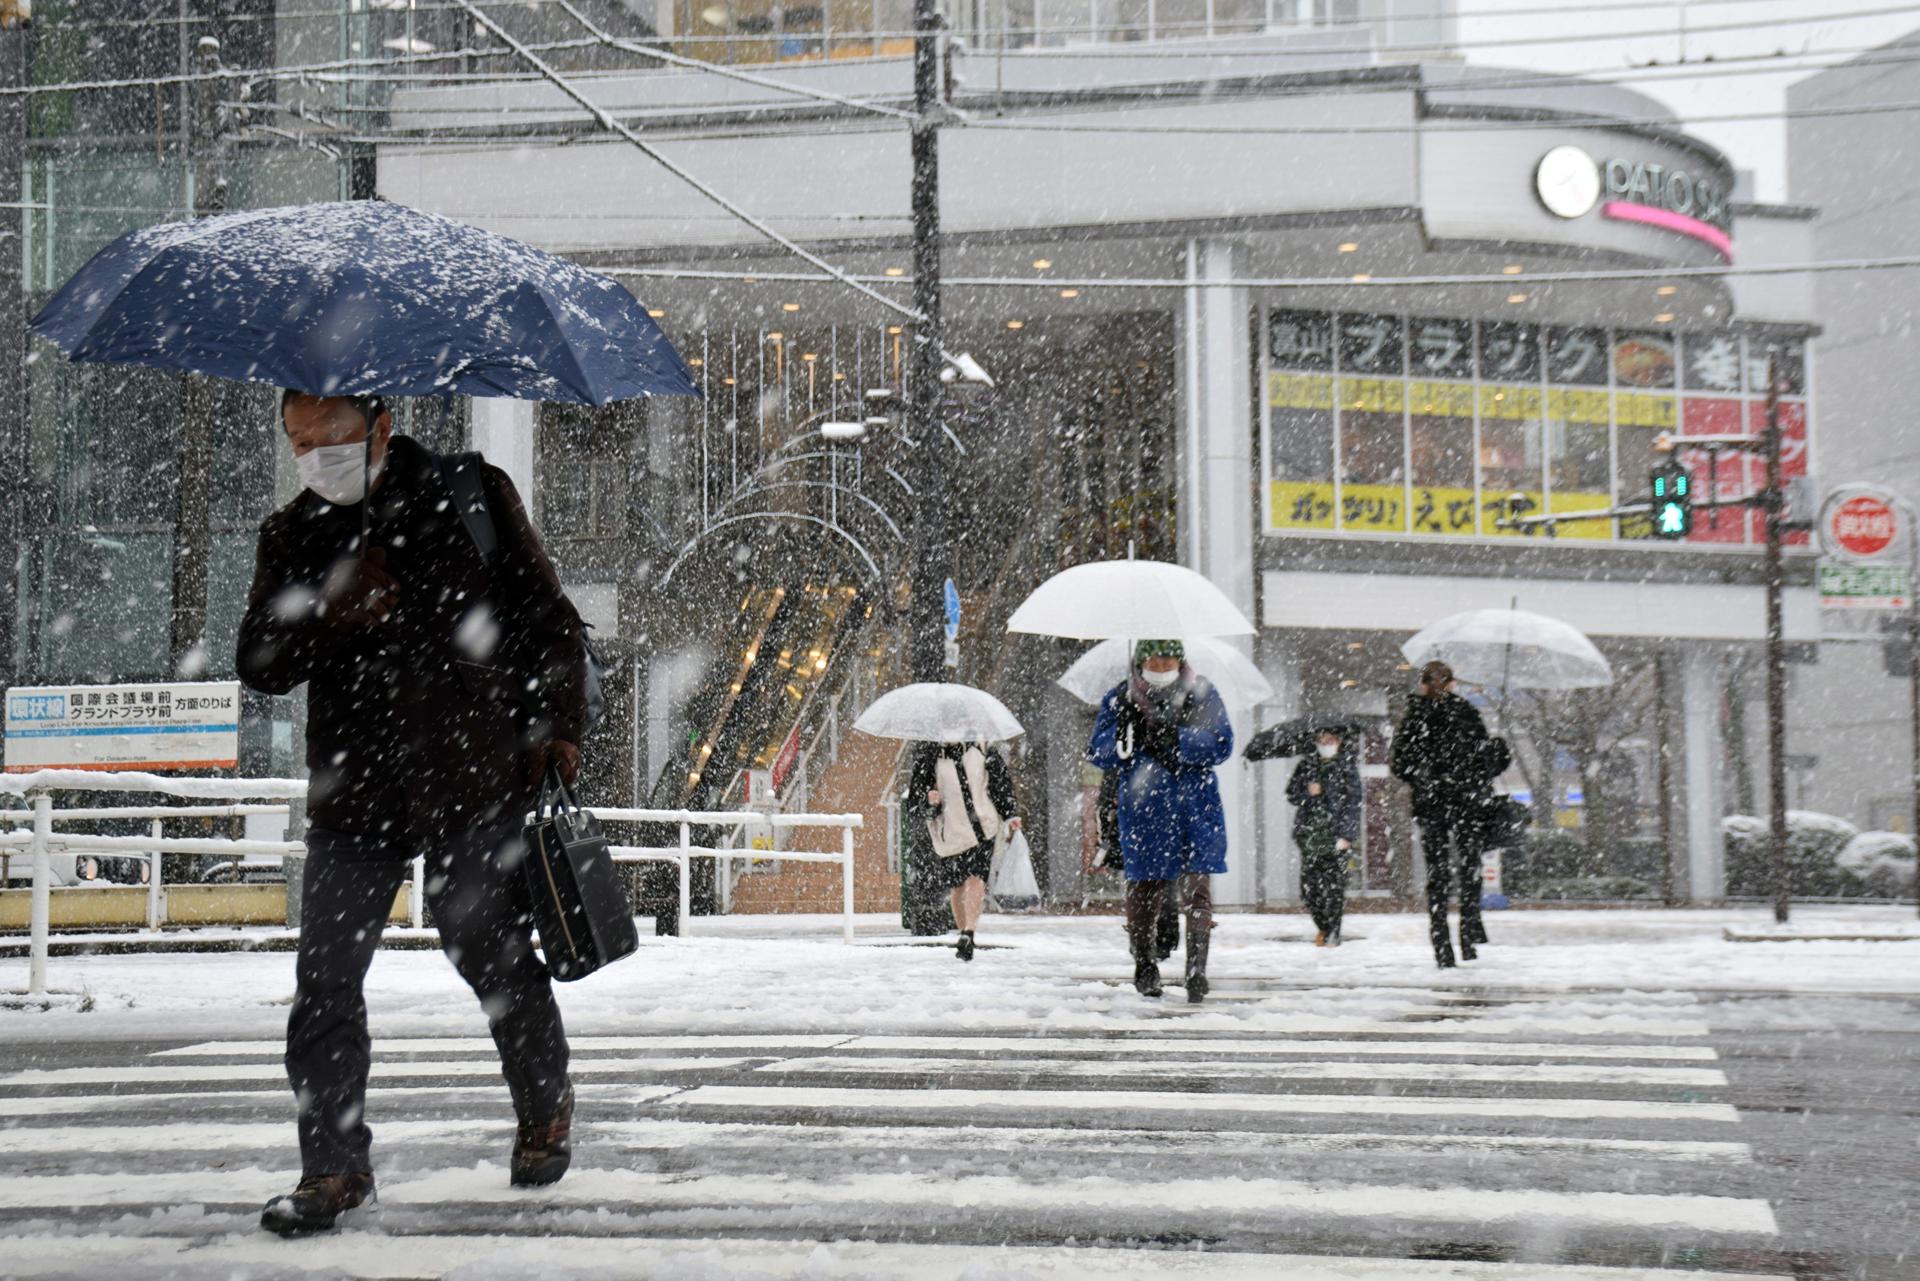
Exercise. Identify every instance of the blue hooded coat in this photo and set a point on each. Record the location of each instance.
(1168, 799)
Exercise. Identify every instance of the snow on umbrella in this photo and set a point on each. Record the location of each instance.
(1512, 649)
(1106, 665)
(936, 712)
(358, 298)
(1141, 599)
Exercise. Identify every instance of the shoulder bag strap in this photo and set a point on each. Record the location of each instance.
(461, 474)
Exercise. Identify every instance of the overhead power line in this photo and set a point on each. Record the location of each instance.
(1604, 275)
(611, 125)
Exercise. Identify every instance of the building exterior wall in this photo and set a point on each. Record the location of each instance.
(1851, 725)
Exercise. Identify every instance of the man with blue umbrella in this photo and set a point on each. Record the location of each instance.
(442, 685)
(446, 669)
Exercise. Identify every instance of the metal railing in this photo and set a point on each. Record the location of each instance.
(42, 840)
(683, 854)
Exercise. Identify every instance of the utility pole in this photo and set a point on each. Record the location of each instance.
(206, 163)
(927, 631)
(13, 338)
(1774, 504)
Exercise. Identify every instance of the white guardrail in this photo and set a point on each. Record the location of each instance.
(242, 797)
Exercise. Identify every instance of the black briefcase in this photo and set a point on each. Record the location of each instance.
(578, 903)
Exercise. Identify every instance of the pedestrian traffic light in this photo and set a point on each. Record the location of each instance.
(1672, 487)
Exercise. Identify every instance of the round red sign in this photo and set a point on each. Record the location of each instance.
(1863, 526)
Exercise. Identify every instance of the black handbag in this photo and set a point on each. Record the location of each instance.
(578, 904)
(1503, 821)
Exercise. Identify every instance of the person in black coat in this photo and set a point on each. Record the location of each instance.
(440, 689)
(1325, 794)
(1443, 753)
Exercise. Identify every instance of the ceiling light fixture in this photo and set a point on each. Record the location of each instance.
(1516, 298)
(1041, 264)
(896, 271)
(789, 306)
(1361, 277)
(1664, 318)
(1350, 247)
(1667, 291)
(1069, 293)
(1512, 269)
(1016, 324)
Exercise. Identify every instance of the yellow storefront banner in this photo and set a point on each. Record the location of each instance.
(1386, 509)
(1511, 402)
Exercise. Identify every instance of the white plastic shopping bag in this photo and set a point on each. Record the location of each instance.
(1012, 884)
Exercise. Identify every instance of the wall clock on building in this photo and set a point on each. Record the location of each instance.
(1568, 182)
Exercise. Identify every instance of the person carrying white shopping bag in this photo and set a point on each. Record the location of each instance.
(1012, 886)
(967, 797)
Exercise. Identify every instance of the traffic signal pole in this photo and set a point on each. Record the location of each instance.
(1773, 504)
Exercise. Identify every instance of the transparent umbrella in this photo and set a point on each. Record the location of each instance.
(1512, 649)
(1106, 664)
(1145, 599)
(936, 712)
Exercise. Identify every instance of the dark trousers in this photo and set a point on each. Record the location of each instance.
(1195, 896)
(348, 893)
(1323, 882)
(1453, 851)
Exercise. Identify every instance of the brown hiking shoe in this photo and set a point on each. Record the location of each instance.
(543, 1151)
(316, 1203)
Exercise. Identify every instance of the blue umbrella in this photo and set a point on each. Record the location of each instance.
(360, 298)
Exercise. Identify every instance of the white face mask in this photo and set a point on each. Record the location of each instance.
(1329, 750)
(1160, 680)
(338, 473)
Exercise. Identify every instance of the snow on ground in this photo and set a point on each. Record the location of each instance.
(1064, 974)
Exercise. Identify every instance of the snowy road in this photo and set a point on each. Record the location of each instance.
(1298, 1126)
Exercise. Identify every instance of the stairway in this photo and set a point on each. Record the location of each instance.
(860, 781)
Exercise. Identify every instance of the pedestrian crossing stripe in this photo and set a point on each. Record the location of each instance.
(385, 1069)
(1138, 1101)
(206, 1134)
(1030, 1044)
(360, 1252)
(1162, 1069)
(1000, 1198)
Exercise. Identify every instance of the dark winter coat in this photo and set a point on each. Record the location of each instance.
(1167, 797)
(420, 726)
(1443, 753)
(1337, 805)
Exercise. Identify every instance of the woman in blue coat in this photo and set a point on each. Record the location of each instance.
(1162, 731)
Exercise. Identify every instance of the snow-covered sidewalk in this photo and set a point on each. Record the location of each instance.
(1052, 973)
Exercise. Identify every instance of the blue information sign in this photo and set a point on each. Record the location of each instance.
(953, 610)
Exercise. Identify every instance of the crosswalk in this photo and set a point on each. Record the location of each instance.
(1497, 1135)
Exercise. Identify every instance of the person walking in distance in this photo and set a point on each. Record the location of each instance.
(968, 793)
(441, 687)
(1442, 752)
(1325, 794)
(1164, 730)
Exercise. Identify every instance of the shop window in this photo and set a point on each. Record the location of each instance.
(1371, 394)
(1300, 420)
(1576, 433)
(1441, 426)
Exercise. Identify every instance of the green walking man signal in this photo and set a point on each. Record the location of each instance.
(1672, 487)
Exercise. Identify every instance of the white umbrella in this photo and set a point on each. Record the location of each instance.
(1106, 665)
(935, 712)
(1511, 648)
(1141, 599)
